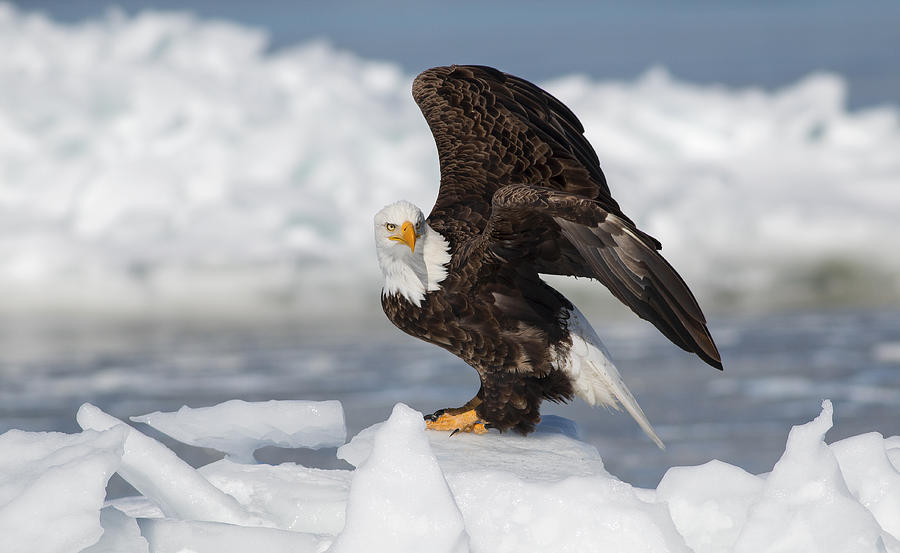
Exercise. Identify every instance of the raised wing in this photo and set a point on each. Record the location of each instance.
(556, 213)
(494, 129)
(561, 233)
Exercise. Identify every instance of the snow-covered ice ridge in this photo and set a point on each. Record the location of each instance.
(162, 162)
(415, 490)
(309, 424)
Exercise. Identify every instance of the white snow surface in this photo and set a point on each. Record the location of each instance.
(419, 490)
(161, 162)
(238, 427)
(399, 499)
(60, 479)
(173, 485)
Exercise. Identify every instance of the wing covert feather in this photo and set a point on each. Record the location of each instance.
(590, 241)
(493, 129)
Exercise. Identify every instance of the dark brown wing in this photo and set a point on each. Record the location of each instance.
(562, 233)
(494, 129)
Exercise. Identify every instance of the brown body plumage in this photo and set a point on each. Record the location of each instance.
(521, 194)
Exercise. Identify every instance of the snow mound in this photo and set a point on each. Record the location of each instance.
(417, 490)
(803, 498)
(550, 451)
(541, 490)
(59, 478)
(161, 162)
(399, 500)
(156, 472)
(294, 497)
(710, 516)
(238, 428)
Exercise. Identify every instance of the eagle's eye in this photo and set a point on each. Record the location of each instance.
(391, 227)
(419, 225)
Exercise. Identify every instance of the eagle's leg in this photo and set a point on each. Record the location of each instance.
(512, 401)
(458, 419)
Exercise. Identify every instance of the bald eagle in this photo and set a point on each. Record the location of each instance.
(521, 194)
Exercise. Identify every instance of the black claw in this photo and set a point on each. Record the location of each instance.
(434, 416)
(454, 432)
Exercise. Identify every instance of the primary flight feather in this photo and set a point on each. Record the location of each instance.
(521, 194)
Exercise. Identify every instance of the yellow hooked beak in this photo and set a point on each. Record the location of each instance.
(407, 235)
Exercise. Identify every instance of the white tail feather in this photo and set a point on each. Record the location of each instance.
(594, 377)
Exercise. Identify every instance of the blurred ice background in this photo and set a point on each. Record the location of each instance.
(186, 202)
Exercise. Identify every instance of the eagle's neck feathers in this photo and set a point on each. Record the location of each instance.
(413, 274)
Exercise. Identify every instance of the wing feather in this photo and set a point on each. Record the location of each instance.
(494, 129)
(520, 183)
(592, 242)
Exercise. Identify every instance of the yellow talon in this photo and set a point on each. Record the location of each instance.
(466, 421)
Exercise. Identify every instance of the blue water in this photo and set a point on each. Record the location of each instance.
(766, 44)
(778, 369)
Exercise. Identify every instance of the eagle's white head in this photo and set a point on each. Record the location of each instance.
(412, 255)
